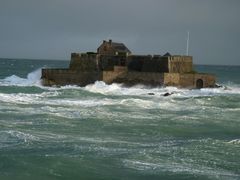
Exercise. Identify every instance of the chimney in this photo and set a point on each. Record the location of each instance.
(104, 41)
(110, 41)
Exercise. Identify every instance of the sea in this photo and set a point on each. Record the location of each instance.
(115, 132)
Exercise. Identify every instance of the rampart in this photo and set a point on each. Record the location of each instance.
(114, 62)
(180, 64)
(61, 77)
(85, 62)
(189, 80)
(145, 78)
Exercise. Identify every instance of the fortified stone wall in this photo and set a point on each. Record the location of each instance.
(62, 77)
(171, 79)
(110, 76)
(189, 80)
(107, 63)
(113, 63)
(180, 64)
(161, 64)
(209, 80)
(136, 62)
(146, 78)
(155, 64)
(83, 62)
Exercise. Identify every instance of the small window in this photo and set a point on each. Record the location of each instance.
(105, 48)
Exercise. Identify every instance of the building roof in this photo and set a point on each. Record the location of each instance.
(117, 47)
(167, 54)
(120, 47)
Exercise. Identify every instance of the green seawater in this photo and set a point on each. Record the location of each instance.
(112, 132)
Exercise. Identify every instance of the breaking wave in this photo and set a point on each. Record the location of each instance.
(119, 89)
(32, 79)
(99, 87)
(191, 133)
(235, 141)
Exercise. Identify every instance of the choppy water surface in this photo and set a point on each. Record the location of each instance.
(112, 132)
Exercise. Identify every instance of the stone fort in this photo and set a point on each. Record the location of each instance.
(114, 63)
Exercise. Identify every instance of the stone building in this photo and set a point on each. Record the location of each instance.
(109, 48)
(114, 62)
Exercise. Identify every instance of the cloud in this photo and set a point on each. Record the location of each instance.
(55, 28)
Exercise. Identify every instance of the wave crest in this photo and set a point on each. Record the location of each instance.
(33, 78)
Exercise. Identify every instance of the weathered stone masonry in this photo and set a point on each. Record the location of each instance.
(114, 62)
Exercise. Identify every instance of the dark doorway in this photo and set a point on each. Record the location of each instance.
(122, 62)
(199, 84)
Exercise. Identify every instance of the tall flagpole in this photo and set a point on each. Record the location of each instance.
(187, 43)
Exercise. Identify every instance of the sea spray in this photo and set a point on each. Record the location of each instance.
(33, 79)
(116, 131)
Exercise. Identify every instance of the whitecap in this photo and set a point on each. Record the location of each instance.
(23, 98)
(177, 168)
(137, 103)
(26, 137)
(141, 90)
(33, 79)
(235, 141)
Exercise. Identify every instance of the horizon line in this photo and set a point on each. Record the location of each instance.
(70, 59)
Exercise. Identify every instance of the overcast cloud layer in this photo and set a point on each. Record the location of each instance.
(52, 29)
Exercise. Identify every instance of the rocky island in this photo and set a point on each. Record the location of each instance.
(114, 63)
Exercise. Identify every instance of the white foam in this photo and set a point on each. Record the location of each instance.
(141, 90)
(223, 90)
(178, 168)
(22, 98)
(235, 141)
(100, 87)
(146, 104)
(26, 137)
(119, 89)
(81, 103)
(33, 79)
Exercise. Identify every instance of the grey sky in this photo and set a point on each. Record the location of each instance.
(52, 29)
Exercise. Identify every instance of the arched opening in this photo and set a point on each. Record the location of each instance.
(122, 62)
(199, 84)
